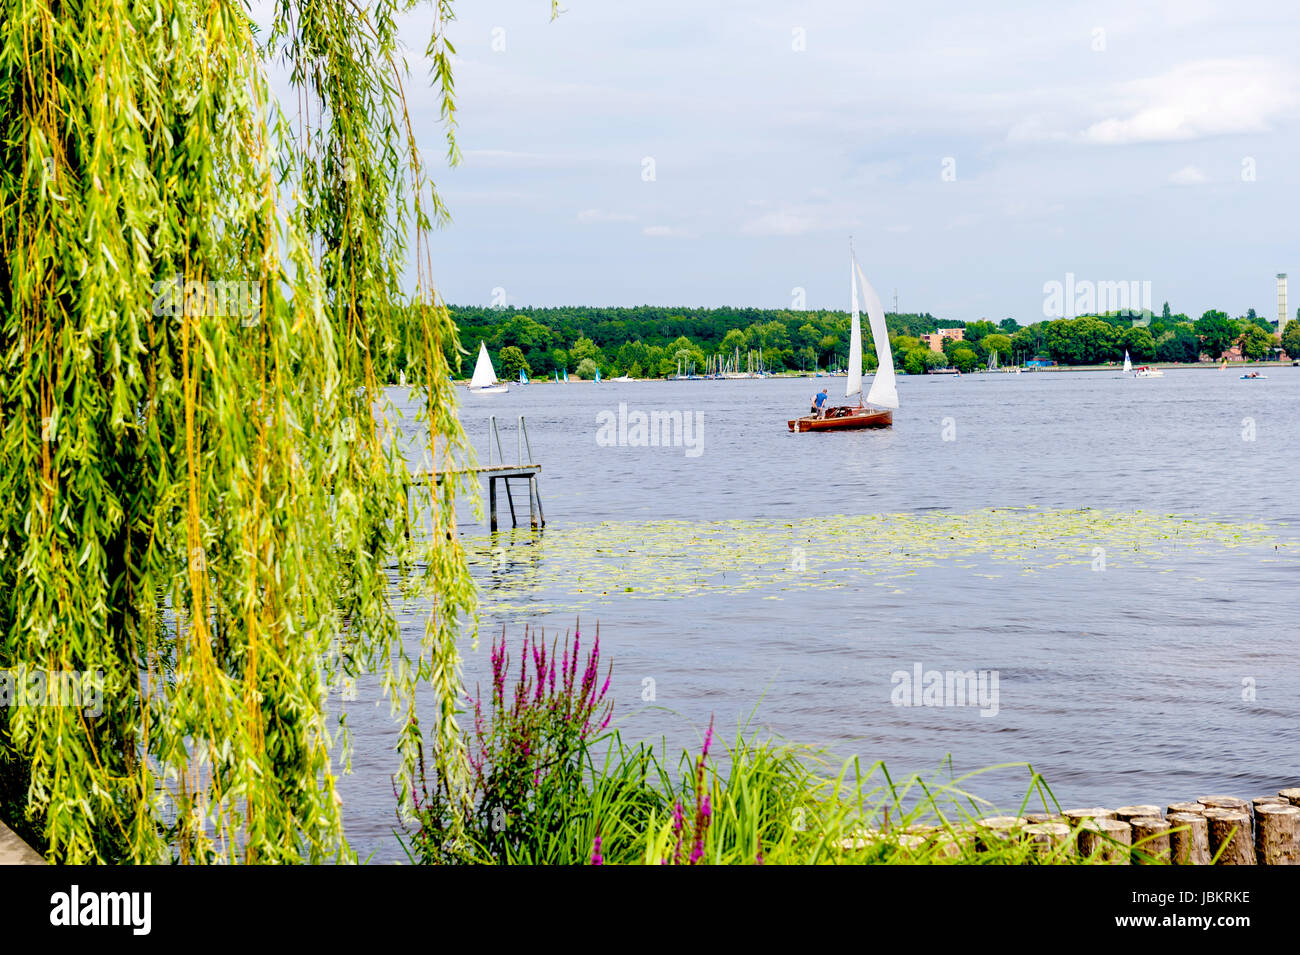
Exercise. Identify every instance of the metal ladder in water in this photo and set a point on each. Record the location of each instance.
(525, 468)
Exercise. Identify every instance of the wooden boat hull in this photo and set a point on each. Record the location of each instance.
(857, 418)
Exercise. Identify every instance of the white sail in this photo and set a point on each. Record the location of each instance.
(1128, 365)
(884, 391)
(484, 373)
(853, 384)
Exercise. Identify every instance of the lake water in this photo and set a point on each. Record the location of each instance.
(1122, 553)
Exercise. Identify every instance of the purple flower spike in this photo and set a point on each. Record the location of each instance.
(596, 857)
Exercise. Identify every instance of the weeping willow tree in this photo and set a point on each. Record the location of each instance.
(202, 496)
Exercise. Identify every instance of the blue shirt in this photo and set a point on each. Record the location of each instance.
(821, 397)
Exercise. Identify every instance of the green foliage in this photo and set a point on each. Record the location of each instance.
(587, 368)
(935, 359)
(1291, 339)
(965, 360)
(999, 343)
(200, 300)
(1082, 341)
(915, 360)
(1256, 343)
(511, 362)
(544, 795)
(1179, 343)
(1217, 333)
(1139, 344)
(530, 759)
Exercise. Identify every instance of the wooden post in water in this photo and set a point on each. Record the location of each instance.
(1230, 836)
(1036, 817)
(1223, 802)
(1192, 807)
(1277, 834)
(1107, 840)
(1076, 816)
(1049, 838)
(1189, 839)
(1129, 813)
(492, 502)
(1290, 795)
(1150, 840)
(998, 831)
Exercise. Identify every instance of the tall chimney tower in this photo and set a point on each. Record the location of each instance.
(1281, 302)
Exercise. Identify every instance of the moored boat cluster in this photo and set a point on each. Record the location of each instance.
(1218, 830)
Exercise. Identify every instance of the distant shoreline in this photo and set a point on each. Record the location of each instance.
(1200, 365)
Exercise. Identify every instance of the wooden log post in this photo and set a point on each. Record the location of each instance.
(1193, 807)
(1189, 839)
(1050, 839)
(1223, 802)
(1129, 813)
(1076, 816)
(1033, 818)
(1230, 837)
(1151, 844)
(997, 832)
(1290, 795)
(1105, 840)
(492, 503)
(1277, 834)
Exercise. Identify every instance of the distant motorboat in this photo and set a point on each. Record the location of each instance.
(623, 378)
(485, 381)
(1254, 376)
(1147, 371)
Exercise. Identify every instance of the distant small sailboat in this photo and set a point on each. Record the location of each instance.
(485, 381)
(566, 376)
(1128, 365)
(597, 376)
(883, 393)
(523, 379)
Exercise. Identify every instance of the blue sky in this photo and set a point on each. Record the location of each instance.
(1104, 139)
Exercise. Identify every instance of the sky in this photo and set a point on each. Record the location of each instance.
(717, 152)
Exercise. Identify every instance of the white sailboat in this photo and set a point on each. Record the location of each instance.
(883, 394)
(485, 381)
(1128, 365)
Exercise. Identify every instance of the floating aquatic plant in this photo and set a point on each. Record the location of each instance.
(591, 564)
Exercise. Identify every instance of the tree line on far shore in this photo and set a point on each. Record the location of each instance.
(656, 342)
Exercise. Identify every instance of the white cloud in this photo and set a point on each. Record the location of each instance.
(1187, 176)
(1197, 100)
(601, 217)
(796, 219)
(664, 232)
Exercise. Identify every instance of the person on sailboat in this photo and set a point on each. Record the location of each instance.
(818, 401)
